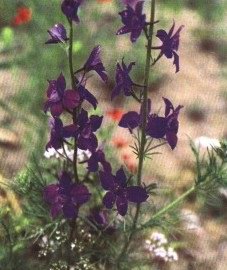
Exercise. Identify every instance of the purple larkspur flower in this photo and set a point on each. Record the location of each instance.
(134, 21)
(170, 44)
(99, 218)
(156, 127)
(59, 99)
(59, 133)
(66, 196)
(86, 126)
(119, 193)
(57, 34)
(167, 126)
(96, 158)
(70, 9)
(94, 63)
(133, 119)
(123, 81)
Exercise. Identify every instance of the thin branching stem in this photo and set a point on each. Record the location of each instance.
(143, 127)
(75, 111)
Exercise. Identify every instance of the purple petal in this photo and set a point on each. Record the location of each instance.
(96, 122)
(80, 194)
(56, 109)
(171, 138)
(162, 35)
(90, 143)
(107, 180)
(130, 120)
(169, 106)
(123, 30)
(156, 127)
(69, 131)
(55, 210)
(109, 200)
(121, 177)
(70, 211)
(122, 205)
(85, 94)
(61, 84)
(136, 194)
(176, 61)
(50, 193)
(71, 99)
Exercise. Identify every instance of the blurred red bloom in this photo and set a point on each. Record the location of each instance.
(119, 142)
(23, 16)
(115, 114)
(129, 163)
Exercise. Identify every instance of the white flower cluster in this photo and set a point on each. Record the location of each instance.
(81, 154)
(206, 142)
(159, 248)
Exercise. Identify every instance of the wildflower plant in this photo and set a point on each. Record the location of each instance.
(91, 202)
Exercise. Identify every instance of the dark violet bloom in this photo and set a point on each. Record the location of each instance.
(160, 127)
(70, 9)
(59, 133)
(66, 196)
(119, 193)
(57, 34)
(86, 126)
(123, 80)
(170, 44)
(59, 98)
(134, 21)
(94, 63)
(98, 157)
(100, 219)
(130, 120)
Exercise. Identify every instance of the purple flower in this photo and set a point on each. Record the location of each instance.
(70, 9)
(57, 34)
(100, 219)
(119, 193)
(94, 63)
(66, 196)
(130, 120)
(133, 119)
(98, 157)
(86, 126)
(59, 98)
(160, 127)
(123, 80)
(59, 133)
(170, 44)
(134, 21)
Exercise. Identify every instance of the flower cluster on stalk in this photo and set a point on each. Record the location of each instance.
(69, 194)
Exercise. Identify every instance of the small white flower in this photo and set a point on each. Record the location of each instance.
(206, 142)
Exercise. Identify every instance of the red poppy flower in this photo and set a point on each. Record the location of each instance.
(23, 16)
(115, 114)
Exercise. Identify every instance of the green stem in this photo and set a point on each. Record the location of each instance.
(169, 206)
(143, 133)
(75, 111)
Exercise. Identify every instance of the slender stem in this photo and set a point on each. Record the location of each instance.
(169, 206)
(75, 111)
(145, 94)
(143, 133)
